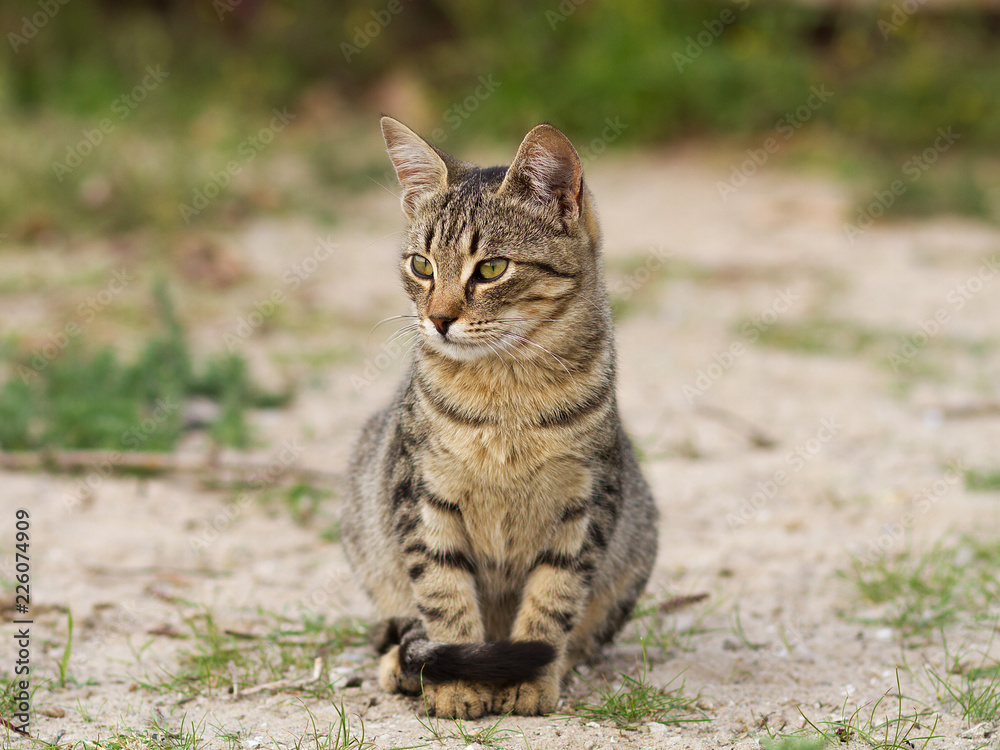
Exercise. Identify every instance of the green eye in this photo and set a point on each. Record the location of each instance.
(422, 266)
(490, 269)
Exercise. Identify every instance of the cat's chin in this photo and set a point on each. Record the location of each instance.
(460, 351)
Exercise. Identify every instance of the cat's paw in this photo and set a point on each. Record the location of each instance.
(527, 698)
(458, 700)
(391, 678)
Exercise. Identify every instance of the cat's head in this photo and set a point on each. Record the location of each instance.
(497, 260)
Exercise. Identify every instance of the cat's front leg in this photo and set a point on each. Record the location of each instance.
(555, 597)
(442, 575)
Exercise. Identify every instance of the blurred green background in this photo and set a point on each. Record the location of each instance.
(114, 116)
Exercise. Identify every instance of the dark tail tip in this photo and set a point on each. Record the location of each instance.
(495, 662)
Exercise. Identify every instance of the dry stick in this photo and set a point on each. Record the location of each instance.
(283, 684)
(153, 463)
(754, 434)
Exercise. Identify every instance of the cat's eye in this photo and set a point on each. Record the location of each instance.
(422, 267)
(490, 269)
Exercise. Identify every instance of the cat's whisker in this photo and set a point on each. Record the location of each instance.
(375, 327)
(555, 356)
(499, 357)
(402, 331)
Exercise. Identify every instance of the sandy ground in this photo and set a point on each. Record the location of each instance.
(850, 445)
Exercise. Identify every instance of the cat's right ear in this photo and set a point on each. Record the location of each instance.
(419, 167)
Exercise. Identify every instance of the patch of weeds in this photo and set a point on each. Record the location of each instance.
(63, 663)
(658, 623)
(791, 742)
(488, 736)
(920, 592)
(155, 737)
(973, 689)
(301, 501)
(899, 730)
(822, 336)
(981, 480)
(222, 658)
(637, 700)
(340, 735)
(92, 400)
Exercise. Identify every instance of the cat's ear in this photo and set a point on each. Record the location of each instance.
(547, 170)
(419, 166)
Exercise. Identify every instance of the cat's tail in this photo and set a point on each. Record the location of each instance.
(494, 662)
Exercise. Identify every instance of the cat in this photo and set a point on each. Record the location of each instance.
(495, 511)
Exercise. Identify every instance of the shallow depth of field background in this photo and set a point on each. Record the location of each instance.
(198, 239)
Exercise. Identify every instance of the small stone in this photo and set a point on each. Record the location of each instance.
(589, 745)
(656, 727)
(475, 746)
(54, 712)
(592, 725)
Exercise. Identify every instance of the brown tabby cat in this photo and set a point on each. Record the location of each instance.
(496, 513)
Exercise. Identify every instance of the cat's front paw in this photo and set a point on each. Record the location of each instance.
(527, 698)
(391, 677)
(458, 700)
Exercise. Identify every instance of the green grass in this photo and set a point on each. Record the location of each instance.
(982, 480)
(489, 735)
(284, 649)
(636, 700)
(969, 683)
(820, 336)
(919, 592)
(670, 632)
(81, 399)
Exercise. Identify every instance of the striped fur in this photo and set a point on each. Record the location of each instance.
(496, 513)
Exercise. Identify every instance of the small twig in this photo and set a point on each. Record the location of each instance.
(680, 602)
(154, 463)
(757, 437)
(13, 728)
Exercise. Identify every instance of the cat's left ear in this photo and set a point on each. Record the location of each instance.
(419, 166)
(547, 170)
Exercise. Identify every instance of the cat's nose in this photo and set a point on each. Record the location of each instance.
(442, 323)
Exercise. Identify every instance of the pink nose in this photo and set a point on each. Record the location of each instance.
(442, 324)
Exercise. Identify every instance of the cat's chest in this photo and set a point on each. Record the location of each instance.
(511, 494)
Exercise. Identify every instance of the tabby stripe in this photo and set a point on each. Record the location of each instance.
(454, 559)
(474, 242)
(564, 417)
(431, 613)
(441, 504)
(547, 269)
(445, 558)
(415, 571)
(406, 525)
(564, 619)
(442, 407)
(563, 562)
(573, 513)
(430, 239)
